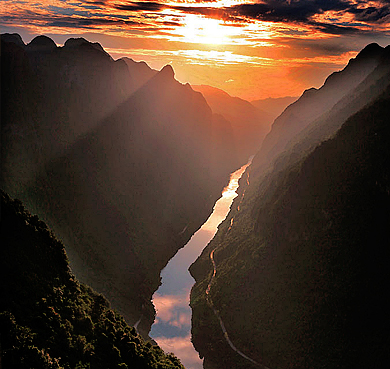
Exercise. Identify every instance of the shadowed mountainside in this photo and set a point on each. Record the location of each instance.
(47, 318)
(314, 107)
(302, 256)
(117, 158)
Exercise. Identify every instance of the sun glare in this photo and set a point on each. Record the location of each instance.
(201, 30)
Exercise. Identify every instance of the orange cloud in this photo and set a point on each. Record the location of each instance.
(258, 45)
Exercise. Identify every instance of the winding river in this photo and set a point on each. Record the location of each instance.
(172, 326)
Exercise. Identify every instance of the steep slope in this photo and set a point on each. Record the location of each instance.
(117, 158)
(52, 96)
(249, 124)
(301, 258)
(47, 318)
(274, 106)
(314, 104)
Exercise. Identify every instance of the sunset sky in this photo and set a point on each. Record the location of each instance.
(268, 48)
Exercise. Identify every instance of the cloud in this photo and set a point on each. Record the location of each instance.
(303, 12)
(334, 29)
(288, 10)
(183, 349)
(70, 15)
(371, 14)
(141, 6)
(307, 12)
(102, 2)
(201, 10)
(171, 23)
(71, 22)
(173, 309)
(333, 17)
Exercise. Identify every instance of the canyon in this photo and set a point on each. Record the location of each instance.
(124, 164)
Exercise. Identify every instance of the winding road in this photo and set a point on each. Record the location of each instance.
(137, 323)
(210, 302)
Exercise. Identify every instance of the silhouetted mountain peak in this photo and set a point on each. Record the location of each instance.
(370, 51)
(309, 92)
(168, 71)
(82, 42)
(12, 37)
(76, 42)
(41, 43)
(366, 59)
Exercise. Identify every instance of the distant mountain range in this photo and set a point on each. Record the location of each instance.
(123, 162)
(274, 106)
(301, 259)
(249, 123)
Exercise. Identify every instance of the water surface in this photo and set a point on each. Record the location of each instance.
(172, 326)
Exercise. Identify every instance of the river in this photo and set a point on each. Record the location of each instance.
(172, 326)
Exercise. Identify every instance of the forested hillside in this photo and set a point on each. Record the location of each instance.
(50, 320)
(301, 260)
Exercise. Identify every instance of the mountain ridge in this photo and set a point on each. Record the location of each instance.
(274, 106)
(315, 103)
(117, 158)
(249, 124)
(301, 255)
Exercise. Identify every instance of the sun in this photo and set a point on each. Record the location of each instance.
(201, 30)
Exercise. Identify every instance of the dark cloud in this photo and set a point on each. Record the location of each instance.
(372, 14)
(71, 22)
(334, 29)
(67, 21)
(97, 2)
(288, 10)
(291, 11)
(170, 23)
(285, 11)
(140, 6)
(302, 12)
(225, 14)
(151, 6)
